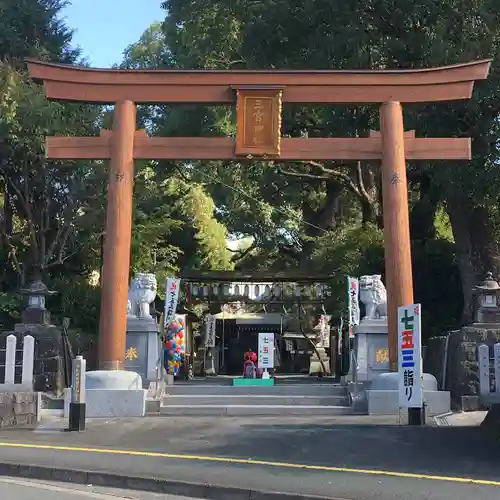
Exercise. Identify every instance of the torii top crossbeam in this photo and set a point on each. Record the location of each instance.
(259, 96)
(107, 86)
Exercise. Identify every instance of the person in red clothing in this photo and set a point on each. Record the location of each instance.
(249, 364)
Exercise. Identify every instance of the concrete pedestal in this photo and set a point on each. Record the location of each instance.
(143, 346)
(371, 348)
(112, 394)
(383, 396)
(376, 391)
(315, 366)
(211, 361)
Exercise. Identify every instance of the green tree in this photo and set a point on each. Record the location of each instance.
(34, 28)
(42, 201)
(380, 34)
(174, 225)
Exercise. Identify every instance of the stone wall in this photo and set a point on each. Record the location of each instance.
(462, 371)
(18, 409)
(52, 362)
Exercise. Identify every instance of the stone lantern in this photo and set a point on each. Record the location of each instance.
(36, 313)
(52, 370)
(487, 293)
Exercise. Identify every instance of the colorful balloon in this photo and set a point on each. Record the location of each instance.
(174, 345)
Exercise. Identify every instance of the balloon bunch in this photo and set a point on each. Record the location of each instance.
(174, 346)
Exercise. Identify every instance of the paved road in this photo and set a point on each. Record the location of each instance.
(323, 483)
(353, 442)
(341, 457)
(26, 489)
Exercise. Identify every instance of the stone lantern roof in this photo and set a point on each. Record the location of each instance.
(489, 284)
(37, 288)
(487, 293)
(35, 313)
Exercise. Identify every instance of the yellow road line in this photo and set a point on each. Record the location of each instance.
(245, 461)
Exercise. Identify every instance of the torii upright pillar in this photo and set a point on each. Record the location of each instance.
(398, 269)
(116, 260)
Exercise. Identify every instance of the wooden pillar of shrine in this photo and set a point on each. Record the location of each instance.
(116, 260)
(398, 270)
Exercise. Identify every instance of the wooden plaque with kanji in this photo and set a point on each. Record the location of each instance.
(259, 122)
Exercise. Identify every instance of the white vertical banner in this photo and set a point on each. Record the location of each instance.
(266, 350)
(353, 303)
(410, 356)
(171, 299)
(325, 331)
(210, 323)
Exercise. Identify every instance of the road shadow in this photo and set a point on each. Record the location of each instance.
(443, 451)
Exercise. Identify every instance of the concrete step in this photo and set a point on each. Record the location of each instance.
(275, 390)
(254, 400)
(260, 410)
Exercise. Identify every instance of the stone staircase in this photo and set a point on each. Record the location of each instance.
(283, 399)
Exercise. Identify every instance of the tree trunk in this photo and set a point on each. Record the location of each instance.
(423, 213)
(316, 351)
(369, 212)
(369, 199)
(316, 222)
(459, 218)
(476, 247)
(484, 240)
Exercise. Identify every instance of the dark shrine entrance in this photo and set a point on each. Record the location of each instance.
(259, 96)
(289, 305)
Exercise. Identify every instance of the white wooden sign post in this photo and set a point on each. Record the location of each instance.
(266, 353)
(410, 362)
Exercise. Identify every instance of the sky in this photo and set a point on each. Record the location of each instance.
(104, 28)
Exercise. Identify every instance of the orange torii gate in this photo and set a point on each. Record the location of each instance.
(259, 96)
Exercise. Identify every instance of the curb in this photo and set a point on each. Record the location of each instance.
(442, 420)
(154, 485)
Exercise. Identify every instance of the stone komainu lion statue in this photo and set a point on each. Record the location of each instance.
(141, 293)
(373, 294)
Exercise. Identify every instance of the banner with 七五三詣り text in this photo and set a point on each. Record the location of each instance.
(172, 290)
(410, 356)
(353, 303)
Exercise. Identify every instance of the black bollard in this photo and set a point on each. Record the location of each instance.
(416, 416)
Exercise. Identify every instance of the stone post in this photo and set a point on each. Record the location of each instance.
(484, 369)
(496, 354)
(77, 406)
(10, 360)
(28, 361)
